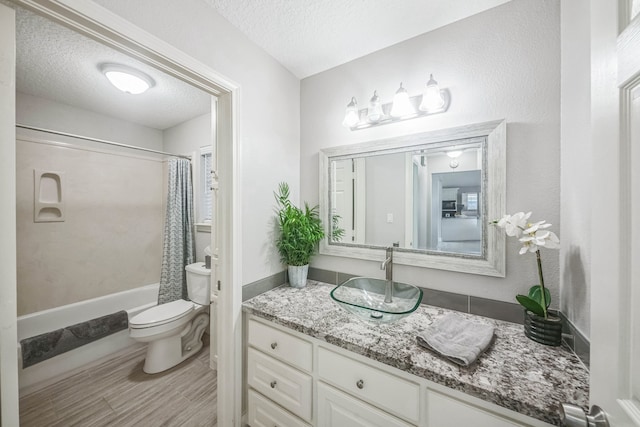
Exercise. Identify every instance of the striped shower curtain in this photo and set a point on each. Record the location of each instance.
(178, 249)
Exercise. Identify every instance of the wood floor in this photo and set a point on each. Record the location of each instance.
(119, 393)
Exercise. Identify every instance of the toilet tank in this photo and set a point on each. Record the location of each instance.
(199, 283)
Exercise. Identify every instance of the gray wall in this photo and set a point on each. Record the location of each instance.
(576, 185)
(501, 64)
(269, 112)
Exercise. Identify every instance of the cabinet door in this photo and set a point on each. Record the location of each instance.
(265, 413)
(445, 411)
(338, 409)
(283, 384)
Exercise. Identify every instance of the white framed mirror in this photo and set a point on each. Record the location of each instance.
(431, 194)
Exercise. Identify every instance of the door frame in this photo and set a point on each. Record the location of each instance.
(611, 220)
(102, 25)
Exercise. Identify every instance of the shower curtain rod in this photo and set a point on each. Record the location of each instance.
(103, 141)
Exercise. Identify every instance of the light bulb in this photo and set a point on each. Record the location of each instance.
(127, 79)
(401, 104)
(375, 113)
(454, 154)
(432, 99)
(351, 115)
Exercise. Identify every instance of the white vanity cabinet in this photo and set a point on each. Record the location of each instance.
(299, 381)
(279, 376)
(374, 386)
(337, 409)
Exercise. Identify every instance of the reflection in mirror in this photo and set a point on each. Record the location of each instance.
(432, 195)
(427, 198)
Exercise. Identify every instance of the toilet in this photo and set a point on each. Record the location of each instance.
(173, 331)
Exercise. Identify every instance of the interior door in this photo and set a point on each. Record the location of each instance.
(342, 202)
(8, 331)
(615, 231)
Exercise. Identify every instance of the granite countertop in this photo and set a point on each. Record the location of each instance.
(515, 372)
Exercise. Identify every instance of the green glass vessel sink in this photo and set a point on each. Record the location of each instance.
(368, 299)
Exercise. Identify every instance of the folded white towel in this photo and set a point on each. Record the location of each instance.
(456, 338)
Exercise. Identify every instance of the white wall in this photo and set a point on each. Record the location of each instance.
(576, 158)
(188, 136)
(111, 239)
(269, 111)
(501, 64)
(40, 112)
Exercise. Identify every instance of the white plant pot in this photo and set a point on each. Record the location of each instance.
(298, 275)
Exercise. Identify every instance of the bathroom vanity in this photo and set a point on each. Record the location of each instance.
(310, 363)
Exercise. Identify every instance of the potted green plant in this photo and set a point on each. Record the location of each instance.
(300, 231)
(540, 325)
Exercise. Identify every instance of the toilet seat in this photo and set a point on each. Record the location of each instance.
(161, 314)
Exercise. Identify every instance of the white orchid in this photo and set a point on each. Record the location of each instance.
(514, 224)
(532, 241)
(533, 236)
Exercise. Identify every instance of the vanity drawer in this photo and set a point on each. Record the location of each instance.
(265, 413)
(282, 345)
(283, 384)
(446, 411)
(370, 384)
(338, 409)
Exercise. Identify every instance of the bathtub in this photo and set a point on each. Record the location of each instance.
(44, 373)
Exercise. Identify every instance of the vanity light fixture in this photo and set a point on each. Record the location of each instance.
(433, 101)
(352, 115)
(375, 113)
(127, 79)
(402, 104)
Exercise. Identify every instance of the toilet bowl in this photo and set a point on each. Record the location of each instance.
(173, 331)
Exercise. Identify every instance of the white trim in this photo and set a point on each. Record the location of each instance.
(93, 20)
(9, 410)
(493, 264)
(408, 202)
(632, 409)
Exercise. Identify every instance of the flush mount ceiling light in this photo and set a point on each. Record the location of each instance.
(454, 154)
(404, 107)
(127, 79)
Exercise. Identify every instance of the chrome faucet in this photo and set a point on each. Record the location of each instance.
(387, 265)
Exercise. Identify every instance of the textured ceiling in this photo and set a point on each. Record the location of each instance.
(56, 63)
(310, 36)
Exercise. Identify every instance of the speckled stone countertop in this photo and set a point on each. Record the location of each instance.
(515, 372)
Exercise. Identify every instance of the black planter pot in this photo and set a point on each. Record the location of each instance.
(544, 331)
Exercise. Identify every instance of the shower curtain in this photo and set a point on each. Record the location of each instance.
(178, 249)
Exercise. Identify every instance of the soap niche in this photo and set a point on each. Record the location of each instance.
(48, 200)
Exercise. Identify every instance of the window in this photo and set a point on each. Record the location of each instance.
(471, 202)
(205, 202)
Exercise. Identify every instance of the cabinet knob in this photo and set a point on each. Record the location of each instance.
(360, 384)
(273, 384)
(274, 345)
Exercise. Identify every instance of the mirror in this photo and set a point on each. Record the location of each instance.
(430, 194)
